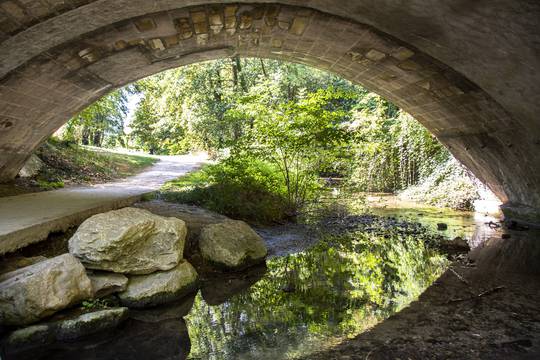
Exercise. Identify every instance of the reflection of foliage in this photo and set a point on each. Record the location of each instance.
(338, 288)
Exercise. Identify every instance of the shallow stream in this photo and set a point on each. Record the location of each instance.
(313, 292)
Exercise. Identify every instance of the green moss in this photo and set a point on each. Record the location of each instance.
(50, 185)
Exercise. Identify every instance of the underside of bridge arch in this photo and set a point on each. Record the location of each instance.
(468, 72)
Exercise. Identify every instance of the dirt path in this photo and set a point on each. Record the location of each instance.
(29, 218)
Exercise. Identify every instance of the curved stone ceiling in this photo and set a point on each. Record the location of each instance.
(468, 72)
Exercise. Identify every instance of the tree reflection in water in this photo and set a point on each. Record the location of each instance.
(308, 301)
(295, 305)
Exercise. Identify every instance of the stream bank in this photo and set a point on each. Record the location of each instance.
(353, 291)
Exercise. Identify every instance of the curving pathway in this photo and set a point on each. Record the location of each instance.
(29, 218)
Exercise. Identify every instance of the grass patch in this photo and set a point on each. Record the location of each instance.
(248, 190)
(67, 163)
(71, 163)
(50, 185)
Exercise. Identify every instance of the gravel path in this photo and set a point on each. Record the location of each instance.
(29, 218)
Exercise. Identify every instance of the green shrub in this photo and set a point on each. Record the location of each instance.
(240, 187)
(450, 185)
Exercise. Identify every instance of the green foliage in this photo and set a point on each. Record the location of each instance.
(212, 105)
(244, 188)
(67, 162)
(450, 185)
(394, 150)
(100, 124)
(297, 137)
(95, 304)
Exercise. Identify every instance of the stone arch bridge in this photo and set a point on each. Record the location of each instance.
(468, 70)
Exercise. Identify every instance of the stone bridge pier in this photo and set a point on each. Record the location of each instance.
(468, 70)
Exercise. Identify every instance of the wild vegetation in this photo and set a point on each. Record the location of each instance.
(65, 162)
(276, 130)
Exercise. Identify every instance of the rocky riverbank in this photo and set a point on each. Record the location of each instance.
(117, 261)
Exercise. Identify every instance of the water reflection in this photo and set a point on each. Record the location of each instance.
(310, 300)
(471, 226)
(296, 305)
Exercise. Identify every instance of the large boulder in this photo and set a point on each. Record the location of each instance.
(130, 241)
(160, 287)
(231, 245)
(37, 291)
(195, 218)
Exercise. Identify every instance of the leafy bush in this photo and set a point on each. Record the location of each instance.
(395, 151)
(240, 187)
(450, 185)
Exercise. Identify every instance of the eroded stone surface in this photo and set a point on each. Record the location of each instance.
(129, 240)
(31, 167)
(70, 326)
(29, 337)
(89, 323)
(104, 283)
(160, 287)
(231, 244)
(37, 291)
(195, 218)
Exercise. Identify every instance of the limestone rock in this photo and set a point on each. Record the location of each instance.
(105, 283)
(90, 323)
(231, 244)
(32, 167)
(160, 287)
(18, 262)
(68, 326)
(37, 291)
(130, 241)
(174, 310)
(195, 218)
(30, 337)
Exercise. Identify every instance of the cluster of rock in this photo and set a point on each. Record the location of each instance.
(131, 254)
